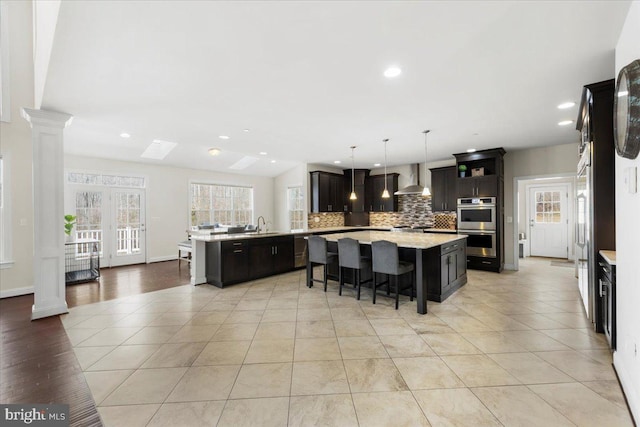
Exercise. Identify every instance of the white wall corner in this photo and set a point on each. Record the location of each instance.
(630, 391)
(510, 267)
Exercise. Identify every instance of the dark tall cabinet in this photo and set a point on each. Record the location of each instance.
(595, 192)
(484, 177)
(361, 187)
(443, 189)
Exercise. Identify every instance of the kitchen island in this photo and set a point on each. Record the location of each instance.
(440, 260)
(225, 259)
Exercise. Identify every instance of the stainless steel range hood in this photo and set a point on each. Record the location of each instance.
(414, 176)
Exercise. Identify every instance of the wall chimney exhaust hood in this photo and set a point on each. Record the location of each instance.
(413, 177)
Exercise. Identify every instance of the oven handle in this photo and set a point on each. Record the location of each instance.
(476, 232)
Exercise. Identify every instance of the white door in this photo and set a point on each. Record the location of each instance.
(548, 221)
(128, 230)
(114, 217)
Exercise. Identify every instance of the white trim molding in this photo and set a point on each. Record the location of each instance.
(162, 258)
(48, 206)
(7, 263)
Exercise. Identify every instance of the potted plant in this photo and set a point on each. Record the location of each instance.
(69, 222)
(463, 170)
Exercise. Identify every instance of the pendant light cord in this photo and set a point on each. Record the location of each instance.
(385, 163)
(353, 173)
(425, 155)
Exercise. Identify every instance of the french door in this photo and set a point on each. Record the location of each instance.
(113, 216)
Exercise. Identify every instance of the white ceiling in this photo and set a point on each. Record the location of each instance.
(306, 77)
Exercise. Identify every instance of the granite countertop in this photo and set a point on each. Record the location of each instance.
(609, 256)
(403, 240)
(221, 237)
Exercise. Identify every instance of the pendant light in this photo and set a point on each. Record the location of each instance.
(425, 191)
(353, 174)
(385, 193)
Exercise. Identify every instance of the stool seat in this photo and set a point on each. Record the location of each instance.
(386, 261)
(349, 257)
(318, 254)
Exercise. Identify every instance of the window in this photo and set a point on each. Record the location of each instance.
(222, 204)
(548, 207)
(89, 217)
(296, 208)
(105, 179)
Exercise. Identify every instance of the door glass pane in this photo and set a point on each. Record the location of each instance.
(89, 217)
(127, 223)
(548, 207)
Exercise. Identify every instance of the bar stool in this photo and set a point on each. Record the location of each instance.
(184, 248)
(386, 261)
(349, 257)
(318, 254)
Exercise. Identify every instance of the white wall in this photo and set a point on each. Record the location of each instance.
(292, 178)
(167, 197)
(16, 150)
(552, 160)
(627, 359)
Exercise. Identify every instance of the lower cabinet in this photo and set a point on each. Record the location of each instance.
(607, 292)
(232, 262)
(446, 270)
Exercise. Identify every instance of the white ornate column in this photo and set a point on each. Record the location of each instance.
(48, 211)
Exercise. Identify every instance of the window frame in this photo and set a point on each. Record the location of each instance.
(212, 210)
(301, 209)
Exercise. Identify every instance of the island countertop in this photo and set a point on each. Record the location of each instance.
(385, 231)
(403, 240)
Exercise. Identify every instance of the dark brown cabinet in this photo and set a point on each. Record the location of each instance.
(484, 177)
(327, 192)
(232, 262)
(446, 268)
(377, 203)
(361, 187)
(480, 186)
(607, 291)
(443, 189)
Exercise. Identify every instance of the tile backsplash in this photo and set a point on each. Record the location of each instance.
(325, 219)
(413, 210)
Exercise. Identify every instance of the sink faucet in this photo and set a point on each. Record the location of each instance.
(263, 222)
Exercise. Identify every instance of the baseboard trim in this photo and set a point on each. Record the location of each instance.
(627, 387)
(162, 258)
(511, 267)
(39, 313)
(16, 292)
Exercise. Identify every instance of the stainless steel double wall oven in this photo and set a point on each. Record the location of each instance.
(477, 218)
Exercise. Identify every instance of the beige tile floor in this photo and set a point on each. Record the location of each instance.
(507, 349)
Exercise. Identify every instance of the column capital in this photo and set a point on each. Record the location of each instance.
(46, 118)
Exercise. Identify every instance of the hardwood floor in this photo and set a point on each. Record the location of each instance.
(37, 362)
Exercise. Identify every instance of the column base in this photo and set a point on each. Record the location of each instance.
(41, 312)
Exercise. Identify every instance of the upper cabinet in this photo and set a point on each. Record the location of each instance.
(361, 187)
(443, 189)
(327, 192)
(483, 176)
(376, 203)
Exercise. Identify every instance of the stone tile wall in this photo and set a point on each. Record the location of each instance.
(325, 219)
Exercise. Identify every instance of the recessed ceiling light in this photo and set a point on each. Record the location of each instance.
(392, 72)
(246, 130)
(223, 137)
(125, 135)
(565, 122)
(214, 151)
(273, 161)
(337, 162)
(566, 105)
(263, 153)
(471, 150)
(376, 164)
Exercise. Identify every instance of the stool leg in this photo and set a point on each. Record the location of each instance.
(388, 284)
(309, 274)
(325, 277)
(375, 283)
(179, 263)
(397, 290)
(358, 280)
(340, 278)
